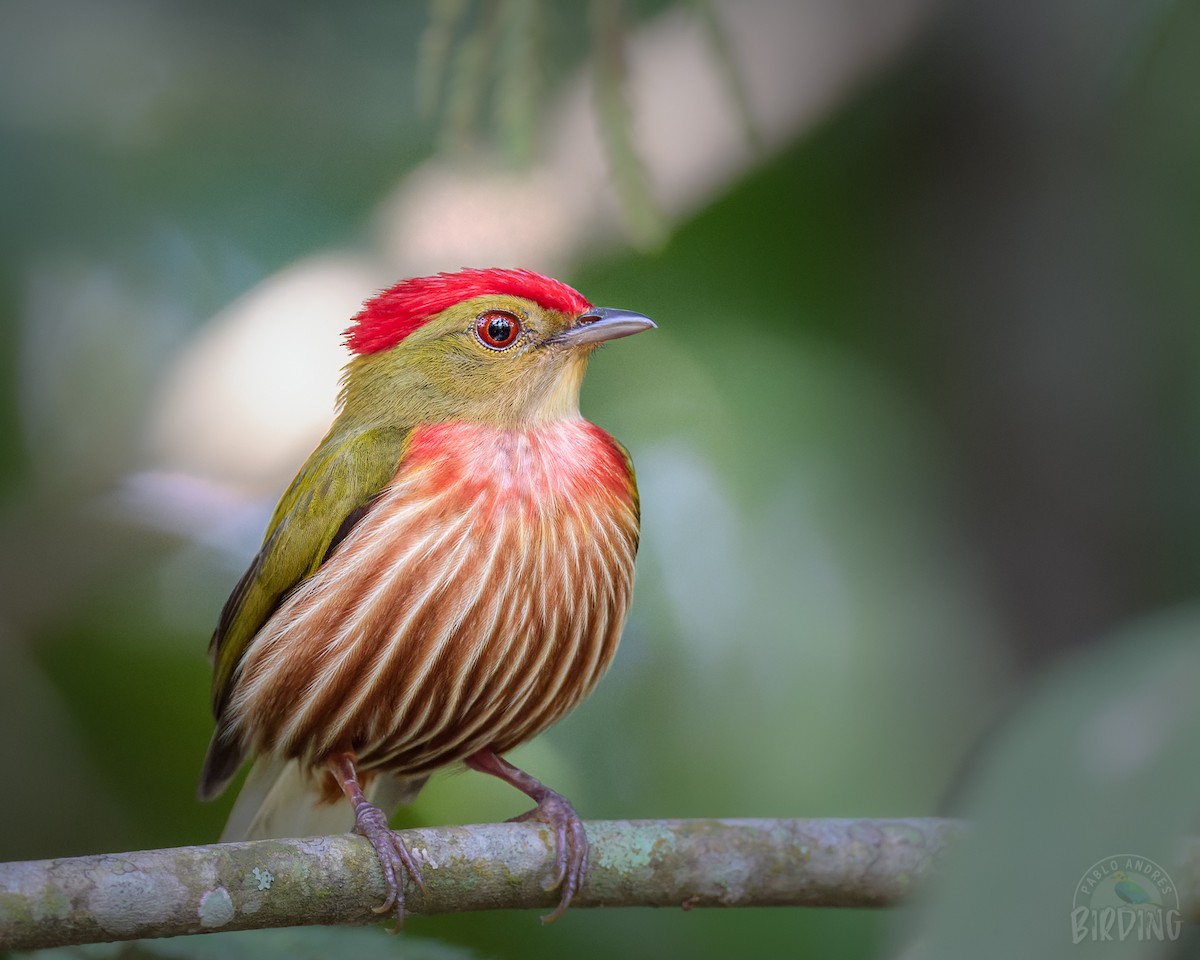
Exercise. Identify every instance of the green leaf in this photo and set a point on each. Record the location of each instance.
(719, 41)
(629, 175)
(520, 76)
(433, 54)
(468, 82)
(1097, 764)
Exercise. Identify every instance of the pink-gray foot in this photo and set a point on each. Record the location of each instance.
(369, 821)
(553, 809)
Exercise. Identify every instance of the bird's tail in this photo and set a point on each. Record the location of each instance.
(279, 800)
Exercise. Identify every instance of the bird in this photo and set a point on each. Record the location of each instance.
(1130, 891)
(446, 577)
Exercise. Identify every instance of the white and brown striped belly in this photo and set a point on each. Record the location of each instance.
(475, 604)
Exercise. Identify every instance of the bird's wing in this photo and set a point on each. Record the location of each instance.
(330, 494)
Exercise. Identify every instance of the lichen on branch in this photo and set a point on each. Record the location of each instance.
(336, 880)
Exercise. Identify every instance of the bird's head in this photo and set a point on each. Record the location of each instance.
(504, 347)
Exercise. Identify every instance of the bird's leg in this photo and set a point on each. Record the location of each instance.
(372, 823)
(553, 809)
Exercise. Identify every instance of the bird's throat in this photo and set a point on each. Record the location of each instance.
(559, 399)
(567, 458)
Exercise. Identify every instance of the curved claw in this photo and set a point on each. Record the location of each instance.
(394, 858)
(371, 822)
(553, 809)
(571, 847)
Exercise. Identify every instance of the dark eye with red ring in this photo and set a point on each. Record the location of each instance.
(497, 329)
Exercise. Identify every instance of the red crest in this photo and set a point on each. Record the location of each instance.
(391, 316)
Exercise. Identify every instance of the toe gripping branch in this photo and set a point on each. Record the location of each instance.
(554, 810)
(395, 859)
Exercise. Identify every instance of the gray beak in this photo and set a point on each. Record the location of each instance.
(597, 324)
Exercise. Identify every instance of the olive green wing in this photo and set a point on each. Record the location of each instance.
(331, 493)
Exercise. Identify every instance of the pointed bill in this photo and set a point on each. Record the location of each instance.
(598, 324)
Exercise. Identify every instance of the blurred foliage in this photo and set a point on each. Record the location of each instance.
(919, 422)
(1098, 762)
(296, 943)
(490, 60)
(645, 222)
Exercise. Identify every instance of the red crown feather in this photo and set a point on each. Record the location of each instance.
(391, 316)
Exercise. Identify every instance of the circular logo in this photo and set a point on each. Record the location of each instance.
(1125, 897)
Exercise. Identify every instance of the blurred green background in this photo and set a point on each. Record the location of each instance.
(917, 438)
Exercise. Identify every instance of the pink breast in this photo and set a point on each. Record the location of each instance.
(573, 459)
(478, 601)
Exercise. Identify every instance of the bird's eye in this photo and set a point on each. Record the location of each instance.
(497, 329)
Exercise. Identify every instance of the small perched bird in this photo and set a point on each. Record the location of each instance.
(446, 577)
(1130, 890)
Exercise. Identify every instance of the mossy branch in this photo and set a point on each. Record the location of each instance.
(336, 880)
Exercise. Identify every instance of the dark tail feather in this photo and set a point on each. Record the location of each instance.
(220, 764)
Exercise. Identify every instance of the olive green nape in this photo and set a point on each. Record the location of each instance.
(339, 479)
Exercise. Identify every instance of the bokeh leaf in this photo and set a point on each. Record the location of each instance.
(1098, 761)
